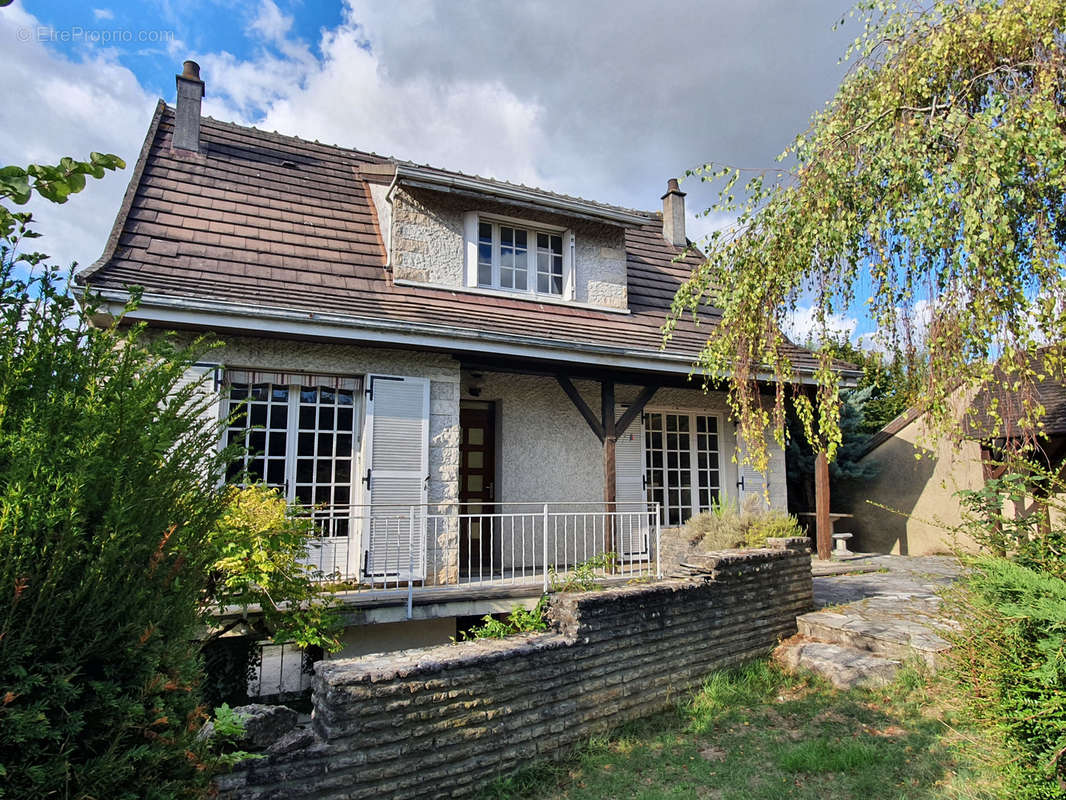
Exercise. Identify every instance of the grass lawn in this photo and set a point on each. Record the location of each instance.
(756, 732)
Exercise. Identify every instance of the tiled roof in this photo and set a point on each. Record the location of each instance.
(273, 221)
(982, 423)
(998, 410)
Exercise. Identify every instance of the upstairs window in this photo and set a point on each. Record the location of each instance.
(518, 258)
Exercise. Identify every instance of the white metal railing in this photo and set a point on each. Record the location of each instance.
(453, 545)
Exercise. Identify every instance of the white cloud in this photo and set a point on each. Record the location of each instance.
(802, 325)
(103, 13)
(346, 97)
(70, 109)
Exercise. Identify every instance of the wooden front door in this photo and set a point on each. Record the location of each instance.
(479, 552)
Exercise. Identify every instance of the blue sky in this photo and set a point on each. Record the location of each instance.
(200, 25)
(605, 99)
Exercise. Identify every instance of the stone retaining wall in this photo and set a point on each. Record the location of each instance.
(443, 721)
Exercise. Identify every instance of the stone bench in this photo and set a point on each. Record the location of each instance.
(840, 542)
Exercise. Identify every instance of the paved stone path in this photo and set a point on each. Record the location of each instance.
(875, 612)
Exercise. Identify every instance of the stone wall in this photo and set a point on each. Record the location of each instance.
(443, 721)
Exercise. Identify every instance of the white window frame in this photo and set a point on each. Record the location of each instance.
(292, 434)
(471, 224)
(694, 470)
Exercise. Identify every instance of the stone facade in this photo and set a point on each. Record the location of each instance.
(443, 721)
(427, 243)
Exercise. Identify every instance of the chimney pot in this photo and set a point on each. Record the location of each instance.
(187, 116)
(190, 69)
(674, 214)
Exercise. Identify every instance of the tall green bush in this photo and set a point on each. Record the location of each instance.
(1009, 659)
(109, 488)
(1010, 652)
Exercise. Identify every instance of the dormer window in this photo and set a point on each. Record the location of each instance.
(513, 256)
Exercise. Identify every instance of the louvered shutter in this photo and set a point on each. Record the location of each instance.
(205, 381)
(629, 490)
(396, 459)
(752, 486)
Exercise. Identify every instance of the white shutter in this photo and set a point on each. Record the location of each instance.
(629, 490)
(569, 272)
(396, 473)
(752, 485)
(470, 234)
(207, 380)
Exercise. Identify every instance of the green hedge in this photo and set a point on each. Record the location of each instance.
(107, 495)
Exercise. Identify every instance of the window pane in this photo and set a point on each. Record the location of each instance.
(557, 284)
(324, 471)
(484, 231)
(343, 470)
(276, 472)
(543, 284)
(258, 413)
(279, 415)
(520, 238)
(344, 419)
(484, 274)
(557, 244)
(506, 235)
(542, 240)
(520, 280)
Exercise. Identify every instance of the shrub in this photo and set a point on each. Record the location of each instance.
(259, 549)
(518, 621)
(109, 489)
(1008, 658)
(727, 526)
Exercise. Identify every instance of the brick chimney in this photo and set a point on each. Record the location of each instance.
(674, 215)
(187, 118)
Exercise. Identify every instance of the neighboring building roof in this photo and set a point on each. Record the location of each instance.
(272, 224)
(998, 412)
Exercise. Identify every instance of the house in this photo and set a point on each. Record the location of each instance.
(911, 506)
(463, 376)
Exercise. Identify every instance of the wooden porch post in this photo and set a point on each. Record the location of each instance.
(607, 430)
(610, 441)
(823, 524)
